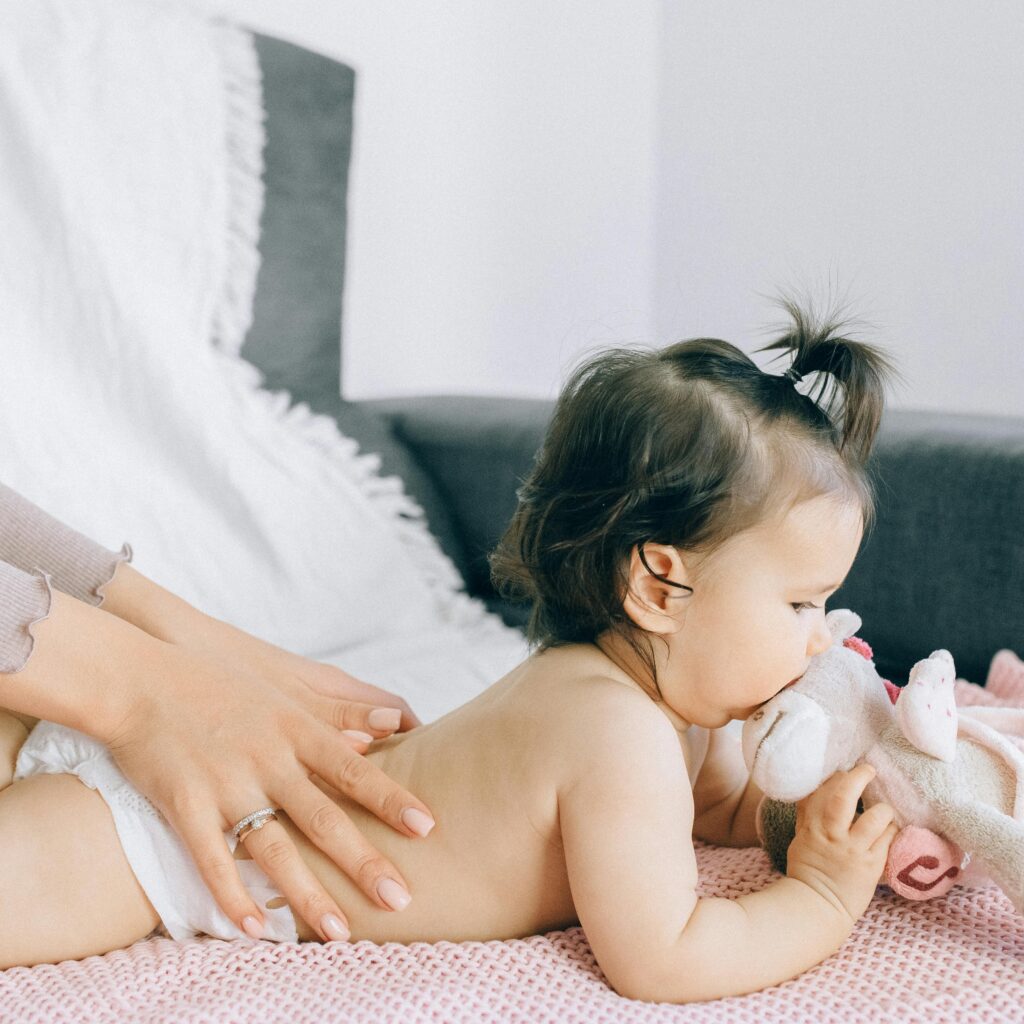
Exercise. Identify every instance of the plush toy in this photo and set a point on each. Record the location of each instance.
(954, 779)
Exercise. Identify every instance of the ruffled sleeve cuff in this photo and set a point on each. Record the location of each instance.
(25, 600)
(31, 538)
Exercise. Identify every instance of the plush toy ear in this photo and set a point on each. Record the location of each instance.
(842, 623)
(926, 710)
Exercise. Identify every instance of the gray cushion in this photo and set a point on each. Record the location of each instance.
(295, 338)
(944, 566)
(477, 451)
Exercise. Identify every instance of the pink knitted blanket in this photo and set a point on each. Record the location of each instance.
(957, 958)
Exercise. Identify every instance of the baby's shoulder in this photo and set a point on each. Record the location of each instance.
(591, 710)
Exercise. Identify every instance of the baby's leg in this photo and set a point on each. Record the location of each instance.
(66, 889)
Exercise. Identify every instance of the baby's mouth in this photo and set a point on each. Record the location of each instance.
(797, 680)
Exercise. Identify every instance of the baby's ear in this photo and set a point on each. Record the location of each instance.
(657, 591)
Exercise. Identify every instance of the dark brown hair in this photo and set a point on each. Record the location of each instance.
(688, 445)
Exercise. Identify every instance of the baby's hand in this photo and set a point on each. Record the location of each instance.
(838, 854)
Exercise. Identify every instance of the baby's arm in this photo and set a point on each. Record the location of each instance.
(725, 797)
(626, 819)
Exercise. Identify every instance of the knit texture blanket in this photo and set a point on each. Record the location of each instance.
(954, 959)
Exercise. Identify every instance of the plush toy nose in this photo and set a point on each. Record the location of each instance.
(784, 745)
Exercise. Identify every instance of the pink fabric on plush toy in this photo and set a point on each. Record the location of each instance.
(1005, 680)
(921, 865)
(954, 774)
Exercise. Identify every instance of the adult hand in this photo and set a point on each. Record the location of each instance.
(252, 737)
(209, 741)
(372, 709)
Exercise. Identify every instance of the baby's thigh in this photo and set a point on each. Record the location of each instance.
(66, 888)
(13, 732)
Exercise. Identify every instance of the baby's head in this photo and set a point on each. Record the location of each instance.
(689, 513)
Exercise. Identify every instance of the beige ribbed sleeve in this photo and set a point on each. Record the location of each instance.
(37, 551)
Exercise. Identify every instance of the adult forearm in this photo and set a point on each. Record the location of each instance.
(148, 606)
(733, 947)
(167, 617)
(79, 668)
(137, 599)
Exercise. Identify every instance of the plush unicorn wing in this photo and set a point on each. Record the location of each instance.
(926, 710)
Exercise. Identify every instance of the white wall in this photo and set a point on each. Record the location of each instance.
(876, 147)
(533, 179)
(502, 184)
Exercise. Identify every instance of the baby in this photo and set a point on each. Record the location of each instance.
(686, 518)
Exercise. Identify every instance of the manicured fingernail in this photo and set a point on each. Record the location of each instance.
(393, 894)
(334, 929)
(359, 737)
(385, 718)
(416, 821)
(252, 927)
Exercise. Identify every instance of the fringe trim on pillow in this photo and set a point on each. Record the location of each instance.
(233, 317)
(386, 494)
(244, 119)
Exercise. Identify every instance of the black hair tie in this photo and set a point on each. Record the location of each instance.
(793, 375)
(663, 579)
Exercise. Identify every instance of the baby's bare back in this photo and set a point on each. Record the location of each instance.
(493, 867)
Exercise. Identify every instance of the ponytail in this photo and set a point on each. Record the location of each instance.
(852, 373)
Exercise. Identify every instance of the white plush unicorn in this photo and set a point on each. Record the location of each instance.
(953, 778)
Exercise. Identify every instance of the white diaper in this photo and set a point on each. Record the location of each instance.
(159, 859)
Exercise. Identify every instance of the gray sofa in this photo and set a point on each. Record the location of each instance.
(944, 566)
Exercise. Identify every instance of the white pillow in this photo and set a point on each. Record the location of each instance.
(130, 198)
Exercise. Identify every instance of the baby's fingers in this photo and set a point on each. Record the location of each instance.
(839, 796)
(873, 823)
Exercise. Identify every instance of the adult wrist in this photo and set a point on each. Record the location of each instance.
(136, 599)
(81, 669)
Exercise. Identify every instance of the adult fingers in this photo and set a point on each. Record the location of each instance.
(366, 692)
(330, 681)
(384, 699)
(331, 829)
(204, 837)
(273, 849)
(351, 715)
(352, 774)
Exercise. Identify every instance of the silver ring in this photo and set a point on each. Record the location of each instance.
(266, 813)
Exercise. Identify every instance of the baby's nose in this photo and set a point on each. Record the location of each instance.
(821, 639)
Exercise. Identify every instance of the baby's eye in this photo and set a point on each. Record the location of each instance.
(806, 604)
